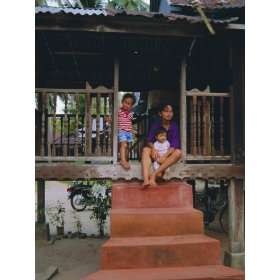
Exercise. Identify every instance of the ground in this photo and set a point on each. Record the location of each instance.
(74, 258)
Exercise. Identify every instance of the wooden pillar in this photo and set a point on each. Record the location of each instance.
(222, 125)
(115, 113)
(43, 126)
(111, 127)
(54, 124)
(183, 109)
(234, 257)
(212, 125)
(88, 122)
(231, 105)
(41, 202)
(206, 125)
(98, 106)
(76, 149)
(65, 122)
(194, 125)
(232, 126)
(199, 127)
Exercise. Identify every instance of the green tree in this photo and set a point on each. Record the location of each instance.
(132, 5)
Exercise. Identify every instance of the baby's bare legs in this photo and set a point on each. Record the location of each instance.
(123, 154)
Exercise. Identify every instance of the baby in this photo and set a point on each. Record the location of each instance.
(161, 145)
(125, 127)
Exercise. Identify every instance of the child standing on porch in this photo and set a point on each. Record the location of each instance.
(125, 127)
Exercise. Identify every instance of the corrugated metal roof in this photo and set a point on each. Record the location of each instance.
(112, 13)
(210, 4)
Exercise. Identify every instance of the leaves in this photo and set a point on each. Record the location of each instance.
(56, 214)
(102, 200)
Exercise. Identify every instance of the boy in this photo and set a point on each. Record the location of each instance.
(162, 146)
(125, 127)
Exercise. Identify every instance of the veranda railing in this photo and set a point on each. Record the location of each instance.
(208, 126)
(75, 124)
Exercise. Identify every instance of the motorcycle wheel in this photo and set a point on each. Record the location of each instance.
(76, 202)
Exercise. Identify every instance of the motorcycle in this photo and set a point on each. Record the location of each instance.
(80, 195)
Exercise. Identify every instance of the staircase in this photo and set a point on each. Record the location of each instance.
(156, 234)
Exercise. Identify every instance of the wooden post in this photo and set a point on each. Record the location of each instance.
(88, 122)
(232, 105)
(235, 256)
(98, 105)
(49, 140)
(212, 124)
(54, 124)
(115, 106)
(41, 201)
(44, 112)
(65, 122)
(222, 125)
(199, 126)
(206, 125)
(194, 126)
(76, 150)
(110, 130)
(232, 125)
(183, 109)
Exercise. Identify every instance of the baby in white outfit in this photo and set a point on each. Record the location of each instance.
(161, 146)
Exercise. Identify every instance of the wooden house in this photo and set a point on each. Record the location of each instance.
(86, 58)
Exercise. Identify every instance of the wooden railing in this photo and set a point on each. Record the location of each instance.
(208, 134)
(76, 124)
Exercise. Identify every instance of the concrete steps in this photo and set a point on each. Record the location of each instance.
(157, 235)
(127, 195)
(209, 272)
(133, 222)
(170, 251)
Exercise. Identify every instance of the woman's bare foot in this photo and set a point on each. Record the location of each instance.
(152, 180)
(125, 165)
(145, 185)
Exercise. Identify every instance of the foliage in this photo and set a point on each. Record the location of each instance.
(132, 5)
(102, 200)
(78, 222)
(90, 3)
(56, 214)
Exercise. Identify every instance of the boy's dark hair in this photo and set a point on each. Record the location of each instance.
(163, 106)
(160, 131)
(129, 95)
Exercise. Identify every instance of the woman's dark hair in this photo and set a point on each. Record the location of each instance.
(160, 131)
(163, 106)
(129, 95)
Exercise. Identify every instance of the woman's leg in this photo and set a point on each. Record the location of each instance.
(123, 162)
(173, 158)
(146, 164)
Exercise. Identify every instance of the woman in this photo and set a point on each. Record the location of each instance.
(150, 154)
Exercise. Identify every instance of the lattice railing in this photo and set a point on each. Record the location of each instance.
(208, 126)
(76, 124)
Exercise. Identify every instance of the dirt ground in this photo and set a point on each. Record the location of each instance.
(77, 258)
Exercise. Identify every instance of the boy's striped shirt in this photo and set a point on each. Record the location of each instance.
(124, 120)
